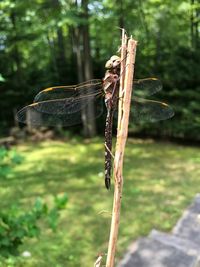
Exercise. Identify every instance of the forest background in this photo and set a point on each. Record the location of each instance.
(56, 42)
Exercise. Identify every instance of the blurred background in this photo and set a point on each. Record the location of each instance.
(46, 43)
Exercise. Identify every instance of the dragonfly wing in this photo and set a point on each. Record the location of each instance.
(57, 112)
(65, 106)
(59, 92)
(143, 110)
(146, 87)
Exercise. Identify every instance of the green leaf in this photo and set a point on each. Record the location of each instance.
(61, 201)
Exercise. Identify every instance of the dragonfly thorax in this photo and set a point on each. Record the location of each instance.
(111, 81)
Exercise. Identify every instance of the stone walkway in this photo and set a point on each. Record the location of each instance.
(180, 248)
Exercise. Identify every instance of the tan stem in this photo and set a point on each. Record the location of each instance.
(122, 133)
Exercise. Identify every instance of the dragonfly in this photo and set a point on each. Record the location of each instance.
(64, 105)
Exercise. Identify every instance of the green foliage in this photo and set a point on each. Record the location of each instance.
(12, 261)
(2, 78)
(8, 159)
(16, 225)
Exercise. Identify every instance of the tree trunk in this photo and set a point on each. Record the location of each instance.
(77, 36)
(84, 69)
(89, 125)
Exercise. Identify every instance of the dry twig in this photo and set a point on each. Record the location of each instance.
(126, 84)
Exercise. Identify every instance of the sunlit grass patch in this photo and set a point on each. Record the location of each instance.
(160, 180)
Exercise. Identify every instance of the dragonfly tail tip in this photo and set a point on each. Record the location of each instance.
(107, 183)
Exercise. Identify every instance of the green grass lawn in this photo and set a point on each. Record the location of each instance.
(160, 180)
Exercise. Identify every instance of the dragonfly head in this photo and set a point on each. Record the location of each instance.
(113, 62)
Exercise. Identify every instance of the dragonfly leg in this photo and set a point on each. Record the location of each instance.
(107, 148)
(114, 88)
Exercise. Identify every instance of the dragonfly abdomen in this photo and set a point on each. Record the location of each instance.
(108, 148)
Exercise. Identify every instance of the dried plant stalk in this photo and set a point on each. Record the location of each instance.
(122, 74)
(122, 133)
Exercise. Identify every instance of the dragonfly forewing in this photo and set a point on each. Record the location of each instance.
(141, 87)
(65, 106)
(59, 92)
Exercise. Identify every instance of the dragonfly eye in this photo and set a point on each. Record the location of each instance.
(115, 58)
(109, 64)
(113, 62)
